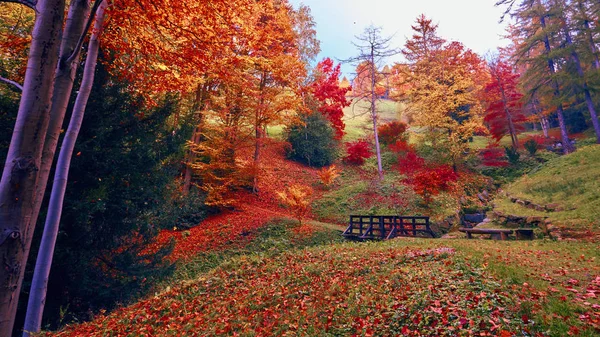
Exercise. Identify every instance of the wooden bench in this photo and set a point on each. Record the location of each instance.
(497, 234)
(386, 226)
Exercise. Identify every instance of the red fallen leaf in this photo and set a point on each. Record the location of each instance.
(504, 333)
(525, 319)
(405, 330)
(563, 298)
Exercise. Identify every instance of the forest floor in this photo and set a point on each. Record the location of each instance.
(253, 271)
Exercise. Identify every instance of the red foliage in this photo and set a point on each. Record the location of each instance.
(391, 132)
(401, 146)
(332, 98)
(503, 101)
(411, 163)
(357, 152)
(431, 181)
(493, 156)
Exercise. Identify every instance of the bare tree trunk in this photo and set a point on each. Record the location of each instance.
(374, 115)
(20, 175)
(37, 297)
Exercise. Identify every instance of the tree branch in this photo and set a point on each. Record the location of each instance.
(88, 24)
(29, 3)
(13, 83)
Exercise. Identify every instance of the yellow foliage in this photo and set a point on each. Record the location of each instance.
(297, 198)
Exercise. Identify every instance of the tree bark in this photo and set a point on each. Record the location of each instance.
(199, 104)
(37, 297)
(20, 175)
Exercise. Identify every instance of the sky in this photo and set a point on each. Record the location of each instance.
(475, 23)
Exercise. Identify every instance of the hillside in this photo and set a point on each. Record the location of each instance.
(245, 273)
(568, 188)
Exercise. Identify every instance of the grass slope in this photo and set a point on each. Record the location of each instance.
(572, 181)
(410, 287)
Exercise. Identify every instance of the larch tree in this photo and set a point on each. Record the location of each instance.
(538, 31)
(444, 80)
(373, 50)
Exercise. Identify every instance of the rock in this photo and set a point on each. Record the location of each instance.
(485, 194)
(475, 217)
(520, 202)
(513, 199)
(539, 208)
(554, 208)
(534, 220)
(481, 197)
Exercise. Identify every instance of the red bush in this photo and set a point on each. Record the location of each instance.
(357, 152)
(493, 156)
(431, 181)
(391, 132)
(411, 163)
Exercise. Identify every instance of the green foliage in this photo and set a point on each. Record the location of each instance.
(312, 141)
(181, 211)
(9, 105)
(512, 154)
(531, 146)
(125, 158)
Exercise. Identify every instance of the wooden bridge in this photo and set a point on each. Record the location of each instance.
(384, 227)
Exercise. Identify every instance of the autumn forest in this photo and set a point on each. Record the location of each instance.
(204, 168)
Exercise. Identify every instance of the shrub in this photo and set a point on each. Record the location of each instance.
(312, 141)
(531, 146)
(512, 155)
(431, 181)
(297, 198)
(328, 175)
(492, 156)
(391, 132)
(357, 152)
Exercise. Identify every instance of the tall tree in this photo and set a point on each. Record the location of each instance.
(39, 284)
(537, 31)
(503, 102)
(443, 82)
(330, 94)
(373, 49)
(20, 174)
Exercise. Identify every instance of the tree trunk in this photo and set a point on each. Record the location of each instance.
(20, 175)
(374, 115)
(199, 101)
(586, 90)
(37, 297)
(567, 146)
(590, 37)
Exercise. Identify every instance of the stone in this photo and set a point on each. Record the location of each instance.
(554, 208)
(475, 217)
(539, 208)
(520, 202)
(513, 199)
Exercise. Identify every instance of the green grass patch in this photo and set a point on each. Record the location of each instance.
(572, 181)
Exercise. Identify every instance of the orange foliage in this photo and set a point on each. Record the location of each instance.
(328, 175)
(297, 198)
